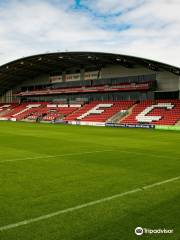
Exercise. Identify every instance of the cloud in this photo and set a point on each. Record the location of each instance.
(111, 7)
(145, 28)
(30, 27)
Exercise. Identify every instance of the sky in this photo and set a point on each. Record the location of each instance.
(143, 28)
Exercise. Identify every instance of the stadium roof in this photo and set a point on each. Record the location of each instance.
(17, 71)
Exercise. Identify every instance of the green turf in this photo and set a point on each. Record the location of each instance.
(34, 187)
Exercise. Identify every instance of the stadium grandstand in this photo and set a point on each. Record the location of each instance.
(90, 88)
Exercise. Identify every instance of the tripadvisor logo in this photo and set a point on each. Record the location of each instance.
(140, 231)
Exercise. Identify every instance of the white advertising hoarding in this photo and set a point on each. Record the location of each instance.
(72, 77)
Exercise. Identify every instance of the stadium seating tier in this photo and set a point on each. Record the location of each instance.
(164, 112)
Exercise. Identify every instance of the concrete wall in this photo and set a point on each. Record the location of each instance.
(168, 81)
(117, 71)
(165, 80)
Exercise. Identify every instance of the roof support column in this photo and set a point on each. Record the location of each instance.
(82, 71)
(63, 76)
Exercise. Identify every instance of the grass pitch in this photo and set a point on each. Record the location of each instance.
(48, 168)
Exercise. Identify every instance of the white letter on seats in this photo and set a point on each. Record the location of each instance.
(27, 108)
(143, 118)
(95, 110)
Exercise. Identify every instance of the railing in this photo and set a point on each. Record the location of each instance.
(105, 88)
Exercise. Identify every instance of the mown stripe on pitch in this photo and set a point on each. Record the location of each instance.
(89, 152)
(88, 204)
(53, 156)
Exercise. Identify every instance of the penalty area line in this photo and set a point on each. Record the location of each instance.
(85, 205)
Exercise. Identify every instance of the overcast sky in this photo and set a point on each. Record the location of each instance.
(145, 28)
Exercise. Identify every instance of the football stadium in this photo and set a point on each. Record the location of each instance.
(89, 147)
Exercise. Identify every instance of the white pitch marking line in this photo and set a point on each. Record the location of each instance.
(81, 153)
(148, 154)
(92, 203)
(53, 156)
(155, 155)
(160, 183)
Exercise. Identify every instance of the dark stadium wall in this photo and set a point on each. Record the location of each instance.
(95, 96)
(7, 97)
(165, 80)
(110, 71)
(42, 79)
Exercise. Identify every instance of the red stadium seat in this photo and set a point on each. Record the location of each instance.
(99, 111)
(164, 112)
